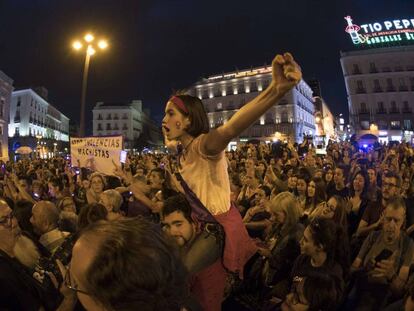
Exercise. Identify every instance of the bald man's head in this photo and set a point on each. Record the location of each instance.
(45, 217)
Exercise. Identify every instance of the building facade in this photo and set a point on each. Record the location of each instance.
(129, 120)
(34, 122)
(6, 89)
(224, 94)
(380, 88)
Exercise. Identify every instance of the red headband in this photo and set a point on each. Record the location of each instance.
(179, 103)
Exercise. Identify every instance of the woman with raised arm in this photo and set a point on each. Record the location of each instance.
(202, 162)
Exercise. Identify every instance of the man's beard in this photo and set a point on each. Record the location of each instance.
(26, 251)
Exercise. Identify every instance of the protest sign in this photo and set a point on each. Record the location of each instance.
(96, 153)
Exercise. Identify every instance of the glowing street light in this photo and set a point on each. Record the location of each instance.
(89, 38)
(89, 51)
(77, 45)
(103, 44)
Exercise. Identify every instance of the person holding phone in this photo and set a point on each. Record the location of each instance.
(383, 262)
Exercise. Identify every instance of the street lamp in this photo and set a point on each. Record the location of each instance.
(89, 51)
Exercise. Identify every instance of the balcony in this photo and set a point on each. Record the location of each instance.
(378, 90)
(403, 88)
(386, 69)
(363, 111)
(356, 72)
(361, 90)
(407, 110)
(390, 89)
(381, 111)
(394, 110)
(100, 117)
(373, 70)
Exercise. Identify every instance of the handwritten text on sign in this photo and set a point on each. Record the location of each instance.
(96, 153)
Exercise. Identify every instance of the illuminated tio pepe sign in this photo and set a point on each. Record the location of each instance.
(384, 32)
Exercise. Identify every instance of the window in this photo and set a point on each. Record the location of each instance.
(125, 116)
(219, 106)
(377, 86)
(99, 117)
(356, 69)
(18, 101)
(284, 117)
(115, 116)
(382, 125)
(402, 86)
(229, 90)
(363, 106)
(108, 126)
(394, 108)
(109, 116)
(254, 87)
(372, 68)
(381, 108)
(406, 108)
(1, 130)
(390, 86)
(360, 87)
(407, 124)
(395, 125)
(99, 127)
(17, 131)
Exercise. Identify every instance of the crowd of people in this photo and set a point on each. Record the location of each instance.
(263, 227)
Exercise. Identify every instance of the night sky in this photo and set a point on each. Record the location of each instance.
(160, 46)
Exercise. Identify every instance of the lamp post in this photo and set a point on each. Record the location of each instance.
(89, 51)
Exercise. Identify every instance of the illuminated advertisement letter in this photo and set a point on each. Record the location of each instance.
(397, 24)
(412, 21)
(365, 27)
(388, 25)
(406, 23)
(378, 27)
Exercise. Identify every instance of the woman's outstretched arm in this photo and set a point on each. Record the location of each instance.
(286, 74)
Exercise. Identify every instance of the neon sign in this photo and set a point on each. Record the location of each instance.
(381, 32)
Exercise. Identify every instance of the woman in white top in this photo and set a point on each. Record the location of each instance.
(203, 165)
